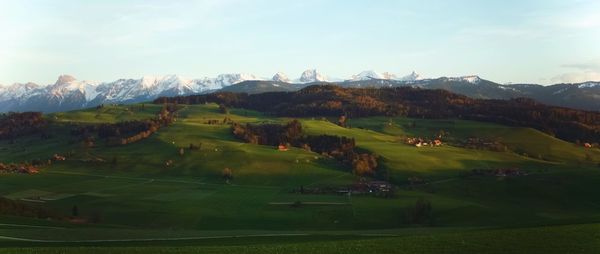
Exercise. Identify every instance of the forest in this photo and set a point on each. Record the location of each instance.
(13, 125)
(329, 100)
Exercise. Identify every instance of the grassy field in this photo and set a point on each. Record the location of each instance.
(557, 239)
(139, 198)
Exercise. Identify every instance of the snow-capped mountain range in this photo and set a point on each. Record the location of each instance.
(69, 93)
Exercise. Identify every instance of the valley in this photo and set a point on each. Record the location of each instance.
(126, 195)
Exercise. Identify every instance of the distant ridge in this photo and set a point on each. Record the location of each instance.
(69, 93)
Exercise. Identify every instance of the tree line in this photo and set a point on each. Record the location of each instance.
(342, 149)
(13, 125)
(15, 208)
(330, 100)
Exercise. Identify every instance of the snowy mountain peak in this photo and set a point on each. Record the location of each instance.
(234, 78)
(148, 81)
(472, 79)
(64, 79)
(16, 90)
(312, 75)
(388, 75)
(281, 77)
(370, 74)
(413, 76)
(67, 85)
(366, 75)
(589, 84)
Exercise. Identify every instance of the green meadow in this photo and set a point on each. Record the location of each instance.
(138, 205)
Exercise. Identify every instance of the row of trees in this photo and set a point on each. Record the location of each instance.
(15, 208)
(13, 125)
(330, 100)
(342, 149)
(21, 168)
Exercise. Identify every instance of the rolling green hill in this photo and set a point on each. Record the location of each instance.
(128, 192)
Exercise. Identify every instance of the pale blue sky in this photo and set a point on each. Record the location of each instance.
(538, 41)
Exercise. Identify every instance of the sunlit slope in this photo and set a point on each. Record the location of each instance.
(524, 141)
(406, 160)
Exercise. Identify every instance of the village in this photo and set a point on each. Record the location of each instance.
(362, 187)
(28, 168)
(499, 172)
(420, 142)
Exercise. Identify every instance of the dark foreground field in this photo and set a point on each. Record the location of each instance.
(555, 239)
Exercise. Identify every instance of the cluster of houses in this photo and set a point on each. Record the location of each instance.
(363, 187)
(57, 157)
(588, 145)
(30, 168)
(419, 142)
(372, 187)
(500, 172)
(414, 180)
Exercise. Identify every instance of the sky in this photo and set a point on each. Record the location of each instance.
(512, 41)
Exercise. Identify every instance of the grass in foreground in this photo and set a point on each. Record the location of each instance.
(557, 239)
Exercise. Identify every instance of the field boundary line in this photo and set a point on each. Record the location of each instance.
(147, 239)
(29, 226)
(160, 180)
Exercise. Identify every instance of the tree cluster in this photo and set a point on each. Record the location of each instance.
(269, 134)
(13, 125)
(20, 168)
(342, 149)
(14, 208)
(422, 213)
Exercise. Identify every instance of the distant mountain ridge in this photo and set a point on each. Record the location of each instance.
(69, 93)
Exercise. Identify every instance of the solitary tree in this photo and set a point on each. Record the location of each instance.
(195, 147)
(342, 121)
(223, 109)
(422, 213)
(227, 174)
(75, 211)
(113, 162)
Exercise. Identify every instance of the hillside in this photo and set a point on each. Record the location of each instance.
(330, 100)
(132, 191)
